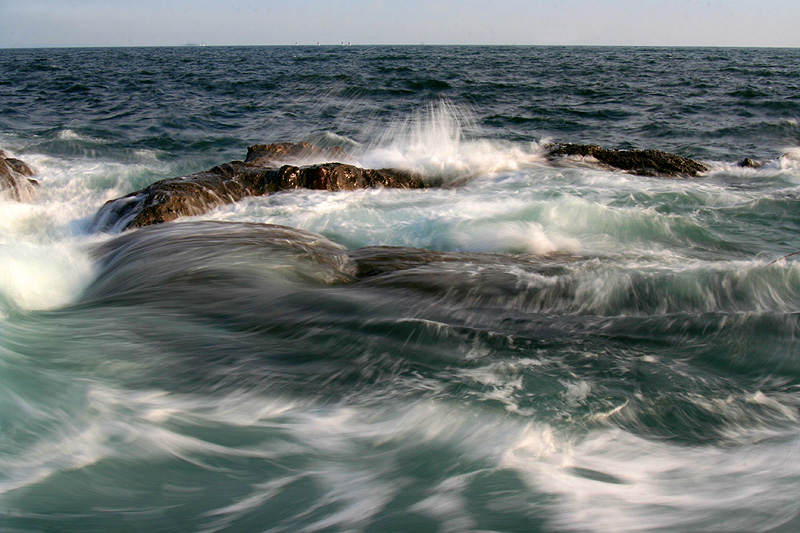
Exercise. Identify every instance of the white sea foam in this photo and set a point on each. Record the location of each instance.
(42, 276)
(354, 456)
(68, 135)
(434, 143)
(115, 423)
(615, 481)
(790, 160)
(43, 261)
(535, 210)
(609, 480)
(69, 194)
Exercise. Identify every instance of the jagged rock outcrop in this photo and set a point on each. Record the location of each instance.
(258, 175)
(15, 179)
(640, 162)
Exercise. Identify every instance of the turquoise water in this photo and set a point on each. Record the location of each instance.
(591, 351)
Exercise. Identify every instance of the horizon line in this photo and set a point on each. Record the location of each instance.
(343, 45)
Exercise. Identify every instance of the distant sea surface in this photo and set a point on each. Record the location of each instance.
(591, 351)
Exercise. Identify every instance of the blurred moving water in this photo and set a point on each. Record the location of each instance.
(590, 351)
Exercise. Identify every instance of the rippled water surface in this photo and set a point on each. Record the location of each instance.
(534, 347)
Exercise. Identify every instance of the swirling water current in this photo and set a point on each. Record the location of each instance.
(590, 350)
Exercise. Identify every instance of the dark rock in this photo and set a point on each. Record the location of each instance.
(468, 277)
(342, 177)
(261, 173)
(15, 181)
(171, 198)
(272, 155)
(376, 260)
(198, 193)
(640, 162)
(750, 163)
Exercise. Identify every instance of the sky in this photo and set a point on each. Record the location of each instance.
(38, 23)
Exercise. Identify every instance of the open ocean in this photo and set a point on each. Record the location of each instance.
(596, 351)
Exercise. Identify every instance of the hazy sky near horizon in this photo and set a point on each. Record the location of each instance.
(35, 23)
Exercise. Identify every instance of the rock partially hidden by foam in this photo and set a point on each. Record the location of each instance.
(639, 162)
(750, 163)
(258, 175)
(284, 166)
(15, 181)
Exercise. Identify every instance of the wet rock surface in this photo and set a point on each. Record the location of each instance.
(639, 162)
(270, 168)
(15, 181)
(258, 175)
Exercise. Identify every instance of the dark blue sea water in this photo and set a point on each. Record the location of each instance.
(593, 351)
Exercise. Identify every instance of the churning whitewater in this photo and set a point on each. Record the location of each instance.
(530, 345)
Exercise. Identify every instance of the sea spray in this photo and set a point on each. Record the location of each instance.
(444, 140)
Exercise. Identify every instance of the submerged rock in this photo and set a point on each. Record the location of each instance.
(640, 162)
(750, 163)
(258, 175)
(15, 181)
(137, 262)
